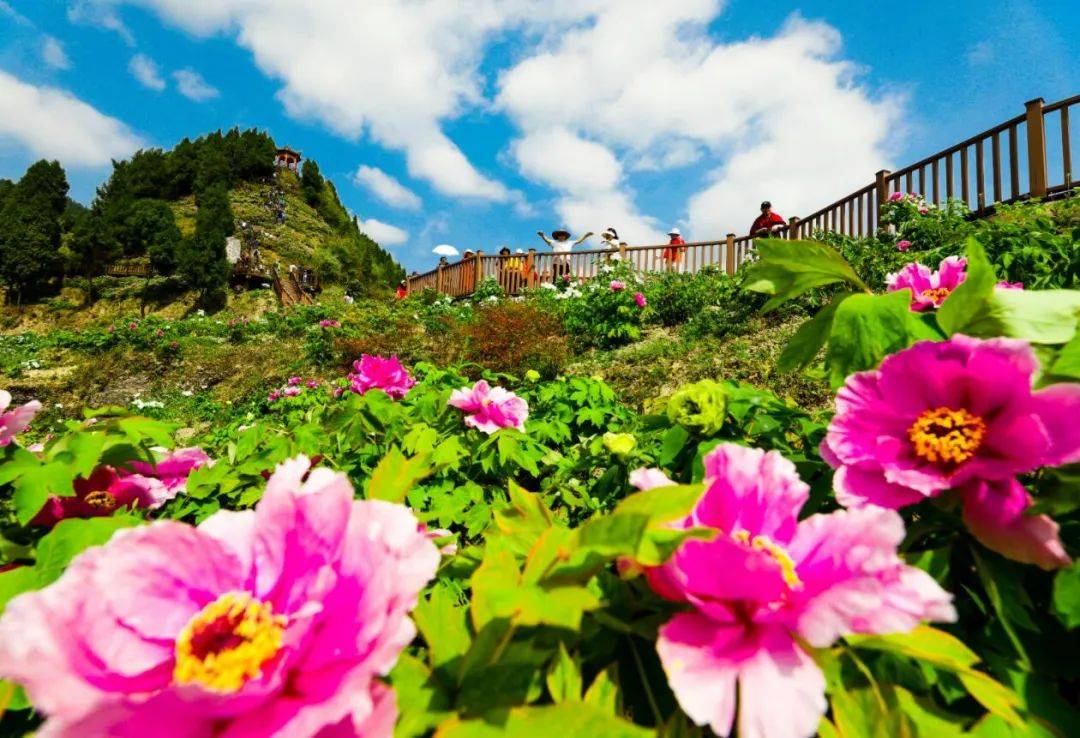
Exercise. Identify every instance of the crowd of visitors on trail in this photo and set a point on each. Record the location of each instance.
(517, 269)
(275, 202)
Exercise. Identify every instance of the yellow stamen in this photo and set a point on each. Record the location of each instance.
(946, 436)
(228, 642)
(100, 499)
(937, 295)
(776, 551)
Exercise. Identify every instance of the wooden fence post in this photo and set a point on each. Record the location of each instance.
(1036, 143)
(882, 190)
(479, 269)
(793, 227)
(439, 279)
(729, 256)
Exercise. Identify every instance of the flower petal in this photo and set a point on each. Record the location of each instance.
(994, 512)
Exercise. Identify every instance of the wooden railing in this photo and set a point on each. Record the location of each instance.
(1026, 157)
(129, 269)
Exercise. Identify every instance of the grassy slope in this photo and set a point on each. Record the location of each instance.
(293, 242)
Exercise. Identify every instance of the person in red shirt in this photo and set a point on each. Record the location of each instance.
(676, 246)
(767, 222)
(402, 291)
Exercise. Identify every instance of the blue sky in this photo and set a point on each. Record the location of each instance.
(478, 122)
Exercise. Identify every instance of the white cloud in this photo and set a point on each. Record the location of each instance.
(383, 233)
(778, 117)
(52, 53)
(191, 85)
(146, 70)
(54, 124)
(15, 15)
(386, 188)
(395, 70)
(640, 83)
(980, 54)
(99, 13)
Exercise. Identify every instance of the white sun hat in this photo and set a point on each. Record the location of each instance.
(674, 232)
(445, 249)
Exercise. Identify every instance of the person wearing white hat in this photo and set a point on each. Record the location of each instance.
(676, 248)
(561, 244)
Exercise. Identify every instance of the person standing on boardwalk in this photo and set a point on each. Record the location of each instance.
(561, 244)
(676, 248)
(764, 225)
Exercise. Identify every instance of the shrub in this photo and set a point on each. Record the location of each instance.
(675, 298)
(606, 315)
(515, 337)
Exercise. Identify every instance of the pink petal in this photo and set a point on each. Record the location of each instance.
(701, 659)
(852, 580)
(1058, 407)
(645, 479)
(781, 691)
(751, 490)
(994, 512)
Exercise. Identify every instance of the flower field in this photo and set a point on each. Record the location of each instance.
(427, 524)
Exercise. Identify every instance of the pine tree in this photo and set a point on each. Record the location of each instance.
(30, 229)
(200, 260)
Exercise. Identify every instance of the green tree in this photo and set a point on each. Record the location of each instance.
(200, 260)
(93, 245)
(30, 229)
(311, 182)
(149, 227)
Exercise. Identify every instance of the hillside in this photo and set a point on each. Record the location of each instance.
(175, 210)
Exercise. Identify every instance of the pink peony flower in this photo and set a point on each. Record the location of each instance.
(923, 210)
(107, 489)
(273, 396)
(111, 329)
(639, 298)
(132, 325)
(16, 420)
(312, 384)
(1006, 285)
(338, 392)
(617, 285)
(960, 415)
(291, 391)
(645, 479)
(929, 289)
(379, 372)
(329, 323)
(768, 583)
(272, 621)
(294, 381)
(903, 245)
(896, 197)
(489, 408)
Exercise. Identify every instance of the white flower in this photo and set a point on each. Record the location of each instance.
(187, 393)
(201, 313)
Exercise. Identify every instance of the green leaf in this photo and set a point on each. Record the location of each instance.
(811, 336)
(443, 624)
(866, 329)
(36, 484)
(567, 720)
(1067, 365)
(674, 441)
(603, 693)
(869, 713)
(1067, 596)
(924, 643)
(968, 307)
(975, 308)
(14, 582)
(395, 475)
(995, 697)
(786, 269)
(156, 432)
(524, 520)
(564, 677)
(422, 702)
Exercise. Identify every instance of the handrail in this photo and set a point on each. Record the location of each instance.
(856, 214)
